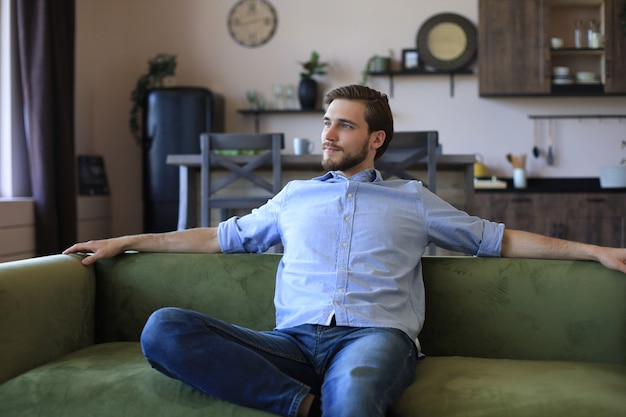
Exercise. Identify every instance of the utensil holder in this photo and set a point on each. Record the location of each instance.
(519, 178)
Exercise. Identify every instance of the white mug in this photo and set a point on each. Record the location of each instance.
(302, 146)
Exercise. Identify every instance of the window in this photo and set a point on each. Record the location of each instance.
(5, 86)
(14, 175)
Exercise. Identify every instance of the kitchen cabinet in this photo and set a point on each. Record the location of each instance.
(615, 47)
(515, 55)
(594, 217)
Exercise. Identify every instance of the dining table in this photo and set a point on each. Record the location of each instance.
(189, 168)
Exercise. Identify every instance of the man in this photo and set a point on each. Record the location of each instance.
(349, 294)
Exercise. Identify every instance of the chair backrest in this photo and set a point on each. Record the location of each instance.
(407, 149)
(223, 151)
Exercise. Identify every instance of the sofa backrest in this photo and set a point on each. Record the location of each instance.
(482, 307)
(236, 288)
(524, 308)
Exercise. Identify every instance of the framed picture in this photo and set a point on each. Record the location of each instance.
(92, 177)
(410, 59)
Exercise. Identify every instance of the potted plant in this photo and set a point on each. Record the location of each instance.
(307, 89)
(160, 68)
(376, 63)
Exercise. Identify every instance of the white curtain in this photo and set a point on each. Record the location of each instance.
(14, 161)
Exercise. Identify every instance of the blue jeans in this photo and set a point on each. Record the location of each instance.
(352, 371)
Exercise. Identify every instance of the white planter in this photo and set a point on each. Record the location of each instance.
(613, 176)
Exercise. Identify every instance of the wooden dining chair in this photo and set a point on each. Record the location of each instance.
(221, 152)
(405, 150)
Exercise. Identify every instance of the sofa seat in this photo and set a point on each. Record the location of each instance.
(468, 387)
(87, 383)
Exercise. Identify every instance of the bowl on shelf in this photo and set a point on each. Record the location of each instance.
(585, 77)
(556, 43)
(562, 79)
(560, 71)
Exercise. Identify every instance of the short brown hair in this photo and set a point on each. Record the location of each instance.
(377, 111)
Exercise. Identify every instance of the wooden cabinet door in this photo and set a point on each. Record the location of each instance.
(513, 52)
(595, 218)
(515, 210)
(615, 48)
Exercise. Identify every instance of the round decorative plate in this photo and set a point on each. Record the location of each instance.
(447, 42)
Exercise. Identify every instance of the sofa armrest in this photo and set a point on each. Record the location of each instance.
(46, 310)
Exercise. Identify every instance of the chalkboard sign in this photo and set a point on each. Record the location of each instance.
(92, 177)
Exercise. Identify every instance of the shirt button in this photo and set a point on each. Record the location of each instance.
(349, 195)
(344, 244)
(346, 218)
(342, 268)
(340, 290)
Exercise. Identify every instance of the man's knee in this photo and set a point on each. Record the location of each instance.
(158, 329)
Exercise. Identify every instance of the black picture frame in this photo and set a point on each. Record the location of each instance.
(92, 177)
(410, 59)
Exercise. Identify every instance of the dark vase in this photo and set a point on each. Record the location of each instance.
(307, 93)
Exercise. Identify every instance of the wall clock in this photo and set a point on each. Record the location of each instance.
(252, 23)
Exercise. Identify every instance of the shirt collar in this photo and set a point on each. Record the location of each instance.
(367, 175)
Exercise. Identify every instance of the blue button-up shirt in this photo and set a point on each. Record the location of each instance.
(353, 248)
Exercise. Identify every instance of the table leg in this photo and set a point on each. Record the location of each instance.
(186, 198)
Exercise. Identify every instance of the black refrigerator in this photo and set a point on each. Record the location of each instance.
(173, 121)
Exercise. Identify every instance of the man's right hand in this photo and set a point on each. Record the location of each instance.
(200, 240)
(97, 249)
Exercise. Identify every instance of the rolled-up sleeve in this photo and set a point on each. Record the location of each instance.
(491, 243)
(253, 233)
(456, 230)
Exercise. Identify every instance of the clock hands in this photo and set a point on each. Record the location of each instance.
(240, 22)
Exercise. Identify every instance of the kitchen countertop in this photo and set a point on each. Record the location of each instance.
(554, 185)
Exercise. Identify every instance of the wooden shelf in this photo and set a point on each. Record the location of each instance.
(420, 72)
(278, 111)
(577, 51)
(577, 116)
(577, 89)
(257, 113)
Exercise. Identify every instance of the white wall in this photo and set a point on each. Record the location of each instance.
(115, 38)
(17, 229)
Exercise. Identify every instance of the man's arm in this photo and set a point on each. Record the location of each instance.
(520, 244)
(201, 240)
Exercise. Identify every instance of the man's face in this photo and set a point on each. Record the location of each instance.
(346, 144)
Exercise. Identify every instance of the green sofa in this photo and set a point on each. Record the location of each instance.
(503, 337)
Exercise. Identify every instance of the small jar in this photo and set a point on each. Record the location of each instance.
(593, 35)
(578, 34)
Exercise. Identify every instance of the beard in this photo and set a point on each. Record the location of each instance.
(347, 161)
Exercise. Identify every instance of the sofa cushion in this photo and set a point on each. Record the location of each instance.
(463, 386)
(114, 379)
(111, 379)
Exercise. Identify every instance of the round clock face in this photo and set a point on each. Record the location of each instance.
(252, 23)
